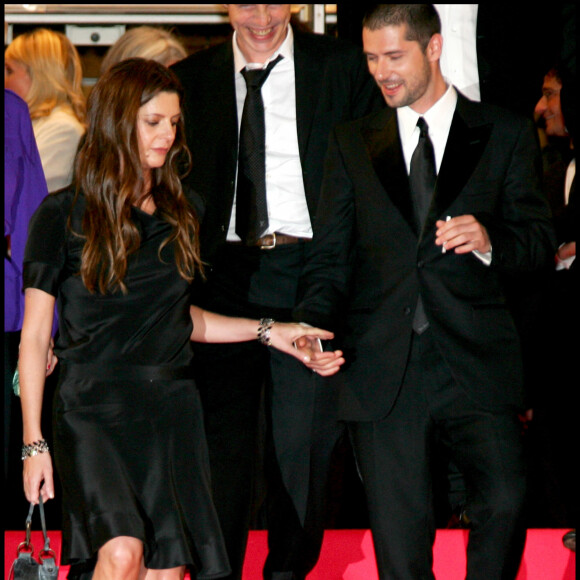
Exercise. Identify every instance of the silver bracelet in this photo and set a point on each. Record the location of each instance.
(34, 448)
(264, 331)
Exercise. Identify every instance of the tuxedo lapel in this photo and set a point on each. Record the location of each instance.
(225, 71)
(384, 146)
(465, 145)
(463, 150)
(308, 78)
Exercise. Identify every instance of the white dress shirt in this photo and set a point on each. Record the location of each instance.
(459, 56)
(285, 195)
(570, 173)
(438, 118)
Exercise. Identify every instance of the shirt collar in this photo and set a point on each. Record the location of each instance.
(286, 50)
(438, 117)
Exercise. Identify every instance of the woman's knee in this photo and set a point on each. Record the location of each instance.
(122, 556)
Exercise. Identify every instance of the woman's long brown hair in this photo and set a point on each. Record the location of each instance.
(108, 171)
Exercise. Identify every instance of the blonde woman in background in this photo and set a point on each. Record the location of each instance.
(43, 67)
(146, 42)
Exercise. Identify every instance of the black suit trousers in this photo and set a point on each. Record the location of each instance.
(396, 458)
(300, 416)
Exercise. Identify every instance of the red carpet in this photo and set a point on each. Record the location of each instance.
(349, 555)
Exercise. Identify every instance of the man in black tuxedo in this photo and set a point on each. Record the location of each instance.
(318, 82)
(432, 351)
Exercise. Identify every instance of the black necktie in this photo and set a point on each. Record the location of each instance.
(422, 176)
(251, 207)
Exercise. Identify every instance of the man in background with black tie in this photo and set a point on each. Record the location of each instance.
(424, 205)
(281, 90)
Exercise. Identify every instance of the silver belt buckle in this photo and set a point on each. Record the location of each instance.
(271, 246)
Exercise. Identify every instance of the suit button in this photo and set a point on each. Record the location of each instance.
(407, 310)
(420, 264)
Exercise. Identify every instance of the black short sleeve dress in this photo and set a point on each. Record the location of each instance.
(129, 442)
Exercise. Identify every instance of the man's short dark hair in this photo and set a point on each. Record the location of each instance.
(422, 20)
(554, 72)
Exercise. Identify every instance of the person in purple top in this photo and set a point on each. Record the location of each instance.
(24, 189)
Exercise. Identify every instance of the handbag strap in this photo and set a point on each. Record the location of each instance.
(42, 523)
(29, 526)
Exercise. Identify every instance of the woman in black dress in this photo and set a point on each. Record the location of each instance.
(118, 252)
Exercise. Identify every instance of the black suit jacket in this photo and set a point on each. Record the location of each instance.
(332, 85)
(371, 261)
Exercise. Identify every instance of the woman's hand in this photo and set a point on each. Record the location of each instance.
(51, 358)
(302, 342)
(38, 470)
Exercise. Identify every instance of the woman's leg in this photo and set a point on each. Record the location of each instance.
(120, 559)
(169, 574)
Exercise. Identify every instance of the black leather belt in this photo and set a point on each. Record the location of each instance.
(270, 241)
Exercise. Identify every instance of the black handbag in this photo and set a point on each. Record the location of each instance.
(26, 567)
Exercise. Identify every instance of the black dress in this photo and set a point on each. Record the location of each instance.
(129, 441)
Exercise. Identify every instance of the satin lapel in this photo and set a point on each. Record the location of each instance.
(384, 147)
(464, 148)
(225, 78)
(308, 78)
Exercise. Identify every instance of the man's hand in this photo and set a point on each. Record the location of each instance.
(321, 362)
(462, 234)
(566, 251)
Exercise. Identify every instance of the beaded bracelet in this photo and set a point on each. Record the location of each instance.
(264, 331)
(34, 448)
